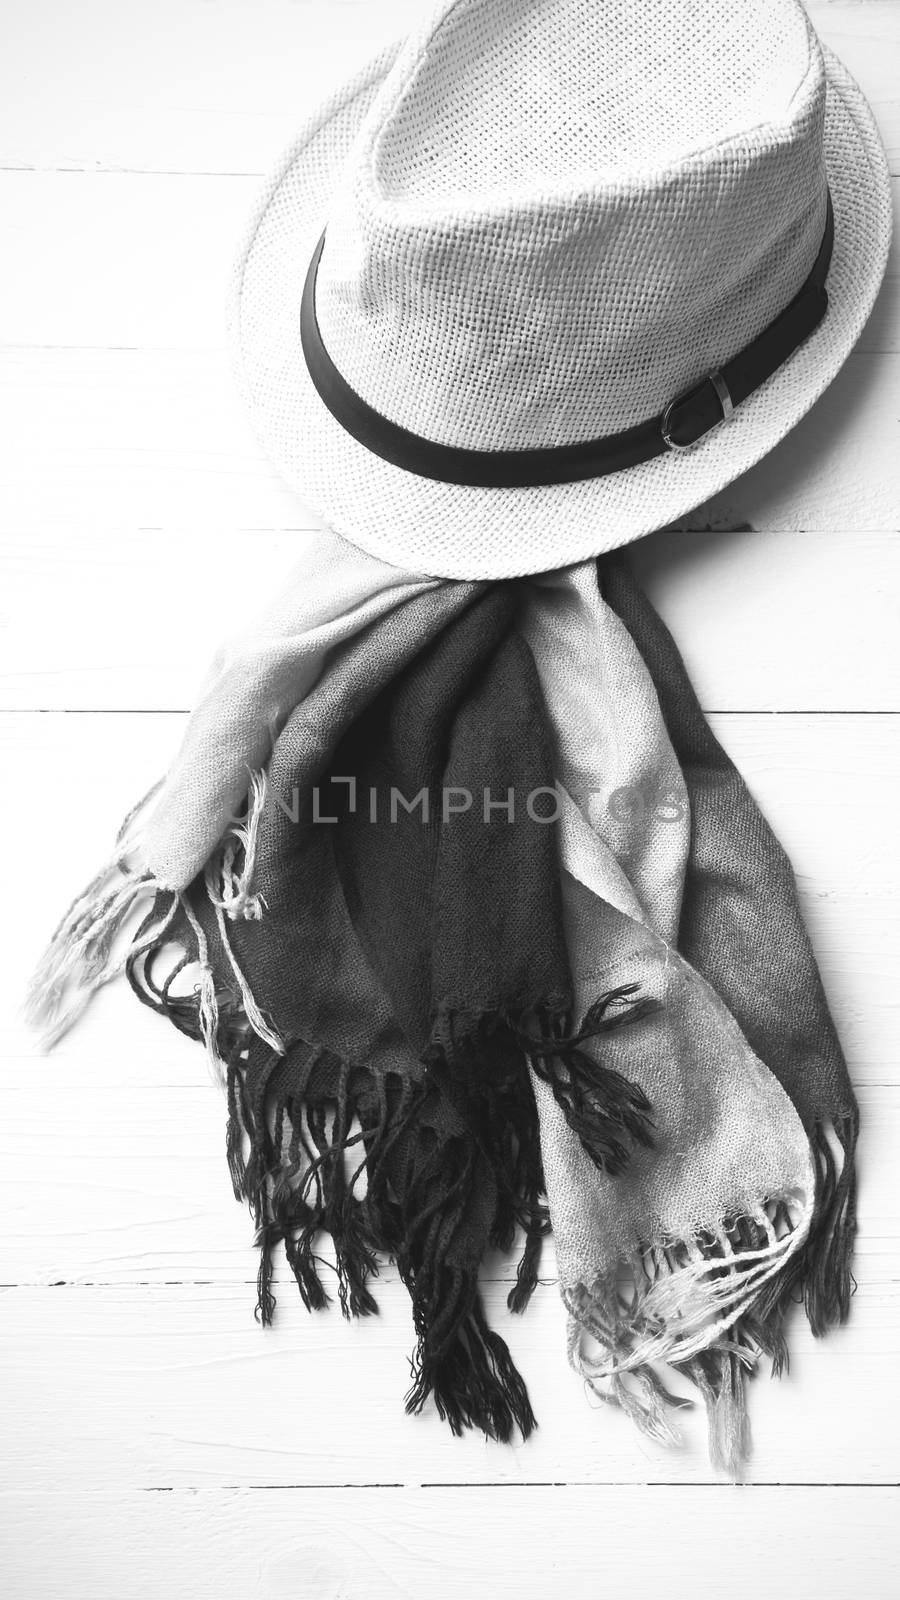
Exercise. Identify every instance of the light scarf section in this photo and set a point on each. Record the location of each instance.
(338, 604)
(670, 1263)
(612, 753)
(441, 881)
(742, 928)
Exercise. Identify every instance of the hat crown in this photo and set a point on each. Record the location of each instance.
(559, 214)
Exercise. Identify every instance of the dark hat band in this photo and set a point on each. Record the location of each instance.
(685, 421)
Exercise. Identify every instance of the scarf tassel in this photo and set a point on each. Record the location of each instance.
(819, 1274)
(608, 1113)
(537, 1227)
(301, 1138)
(469, 1372)
(84, 953)
(459, 1361)
(701, 1306)
(721, 1374)
(478, 1059)
(296, 1120)
(829, 1284)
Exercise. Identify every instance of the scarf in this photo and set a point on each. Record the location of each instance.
(666, 1264)
(472, 916)
(741, 927)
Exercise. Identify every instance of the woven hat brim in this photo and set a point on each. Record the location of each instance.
(451, 531)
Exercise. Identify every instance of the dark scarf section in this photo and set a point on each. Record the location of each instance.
(468, 883)
(742, 929)
(410, 963)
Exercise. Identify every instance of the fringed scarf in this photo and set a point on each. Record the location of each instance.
(469, 909)
(742, 929)
(662, 1265)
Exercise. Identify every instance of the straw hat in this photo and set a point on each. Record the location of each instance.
(553, 272)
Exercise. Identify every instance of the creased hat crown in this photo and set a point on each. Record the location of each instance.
(560, 214)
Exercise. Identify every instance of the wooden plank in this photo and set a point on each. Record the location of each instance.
(154, 605)
(150, 603)
(186, 86)
(516, 1543)
(131, 442)
(180, 85)
(118, 259)
(764, 619)
(175, 1384)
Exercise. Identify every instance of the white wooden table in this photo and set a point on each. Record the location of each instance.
(157, 1443)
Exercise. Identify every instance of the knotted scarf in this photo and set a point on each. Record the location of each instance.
(472, 915)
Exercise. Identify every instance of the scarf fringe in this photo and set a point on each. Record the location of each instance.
(608, 1113)
(698, 1305)
(487, 1052)
(305, 1129)
(820, 1274)
(82, 955)
(296, 1182)
(537, 1228)
(688, 1292)
(639, 1394)
(829, 1283)
(238, 855)
(471, 1376)
(744, 1321)
(459, 1360)
(721, 1375)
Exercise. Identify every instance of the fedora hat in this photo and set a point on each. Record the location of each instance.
(551, 273)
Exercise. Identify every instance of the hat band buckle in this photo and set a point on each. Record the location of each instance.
(725, 401)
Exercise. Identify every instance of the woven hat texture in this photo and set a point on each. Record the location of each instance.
(544, 220)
